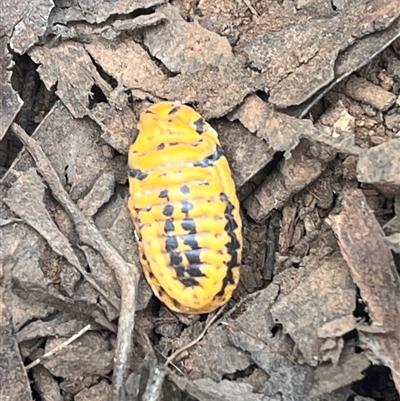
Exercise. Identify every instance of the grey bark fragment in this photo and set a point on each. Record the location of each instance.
(186, 47)
(308, 65)
(380, 166)
(32, 26)
(14, 383)
(364, 91)
(46, 384)
(334, 299)
(95, 12)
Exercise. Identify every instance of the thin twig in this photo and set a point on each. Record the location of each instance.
(58, 348)
(126, 273)
(196, 340)
(251, 8)
(171, 363)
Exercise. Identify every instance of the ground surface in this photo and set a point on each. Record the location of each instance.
(305, 95)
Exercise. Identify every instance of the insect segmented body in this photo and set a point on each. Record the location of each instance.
(185, 210)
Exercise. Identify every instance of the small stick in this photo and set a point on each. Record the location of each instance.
(126, 273)
(251, 8)
(196, 340)
(58, 348)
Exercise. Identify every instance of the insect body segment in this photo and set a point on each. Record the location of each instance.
(185, 209)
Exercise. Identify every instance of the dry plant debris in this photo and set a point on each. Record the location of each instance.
(317, 302)
(374, 272)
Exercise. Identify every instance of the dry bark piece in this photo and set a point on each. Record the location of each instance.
(186, 47)
(315, 148)
(305, 165)
(77, 159)
(371, 264)
(58, 327)
(337, 327)
(295, 75)
(147, 380)
(46, 384)
(366, 92)
(246, 153)
(215, 357)
(86, 33)
(10, 102)
(380, 166)
(126, 273)
(14, 382)
(78, 80)
(214, 80)
(115, 224)
(215, 90)
(393, 242)
(100, 194)
(98, 392)
(288, 380)
(84, 359)
(349, 370)
(31, 26)
(281, 132)
(225, 390)
(355, 57)
(103, 275)
(289, 212)
(128, 63)
(25, 199)
(326, 292)
(95, 12)
(24, 306)
(12, 13)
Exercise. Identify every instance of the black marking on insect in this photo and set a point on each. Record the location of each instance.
(193, 256)
(176, 304)
(135, 173)
(180, 271)
(232, 246)
(164, 194)
(190, 240)
(210, 160)
(176, 258)
(174, 110)
(161, 146)
(199, 125)
(171, 243)
(227, 279)
(186, 207)
(169, 226)
(191, 271)
(168, 210)
(195, 271)
(189, 282)
(185, 189)
(189, 224)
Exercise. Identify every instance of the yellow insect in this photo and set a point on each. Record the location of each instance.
(185, 210)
